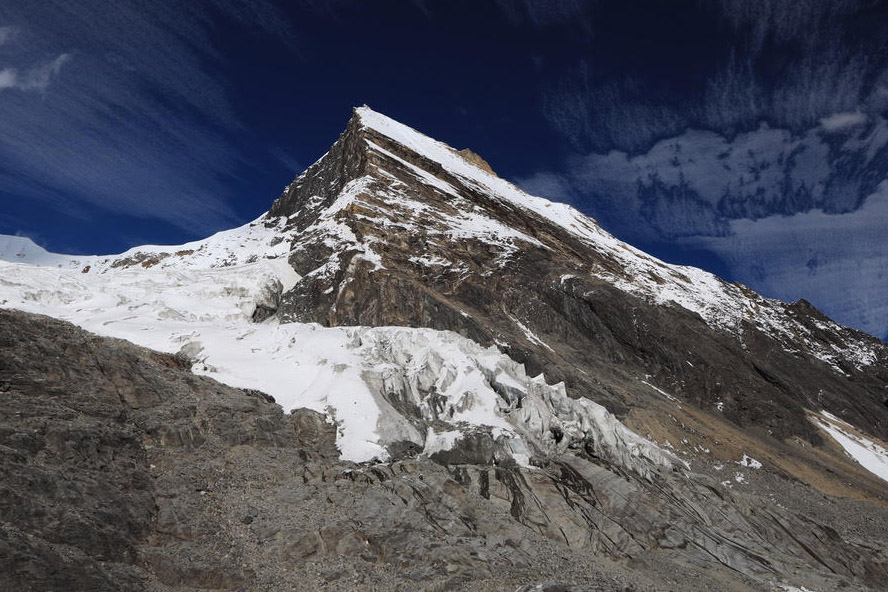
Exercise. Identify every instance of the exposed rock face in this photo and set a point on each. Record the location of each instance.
(122, 470)
(476, 160)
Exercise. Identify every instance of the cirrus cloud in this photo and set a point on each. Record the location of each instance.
(36, 78)
(133, 117)
(7, 34)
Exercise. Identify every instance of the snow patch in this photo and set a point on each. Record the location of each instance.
(748, 461)
(530, 335)
(867, 453)
(788, 588)
(661, 391)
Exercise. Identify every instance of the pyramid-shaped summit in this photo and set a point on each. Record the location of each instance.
(395, 228)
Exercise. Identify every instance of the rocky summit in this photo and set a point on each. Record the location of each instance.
(409, 374)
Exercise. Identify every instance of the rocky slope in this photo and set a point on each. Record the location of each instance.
(123, 471)
(474, 349)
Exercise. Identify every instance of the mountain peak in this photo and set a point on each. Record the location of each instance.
(413, 139)
(376, 146)
(476, 160)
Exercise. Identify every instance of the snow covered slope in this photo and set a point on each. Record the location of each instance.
(264, 239)
(869, 454)
(381, 386)
(21, 249)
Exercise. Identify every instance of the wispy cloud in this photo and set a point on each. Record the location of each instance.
(544, 13)
(597, 114)
(7, 34)
(781, 21)
(36, 78)
(733, 96)
(132, 115)
(841, 121)
(798, 61)
(790, 63)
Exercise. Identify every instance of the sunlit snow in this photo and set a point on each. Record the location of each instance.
(869, 454)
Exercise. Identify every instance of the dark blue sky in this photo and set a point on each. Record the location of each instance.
(161, 122)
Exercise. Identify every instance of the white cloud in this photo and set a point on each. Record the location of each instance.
(8, 78)
(7, 34)
(37, 78)
(838, 262)
(40, 77)
(690, 184)
(840, 121)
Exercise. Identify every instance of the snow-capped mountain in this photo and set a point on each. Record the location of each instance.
(431, 310)
(398, 229)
